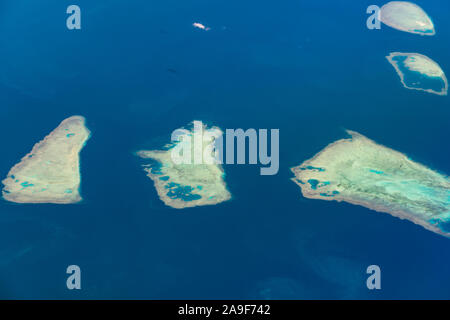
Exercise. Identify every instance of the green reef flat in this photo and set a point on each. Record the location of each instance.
(359, 171)
(191, 183)
(50, 173)
(418, 72)
(408, 17)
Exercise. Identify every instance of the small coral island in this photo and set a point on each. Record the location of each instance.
(418, 72)
(359, 171)
(50, 173)
(182, 175)
(408, 17)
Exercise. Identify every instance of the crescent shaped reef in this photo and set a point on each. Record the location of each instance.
(359, 171)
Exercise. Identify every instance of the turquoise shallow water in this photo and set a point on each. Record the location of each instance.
(139, 70)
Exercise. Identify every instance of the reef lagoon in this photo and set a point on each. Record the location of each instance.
(418, 72)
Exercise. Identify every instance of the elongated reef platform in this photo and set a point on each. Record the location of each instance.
(418, 72)
(50, 173)
(359, 171)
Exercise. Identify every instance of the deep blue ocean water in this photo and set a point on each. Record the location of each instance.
(138, 70)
